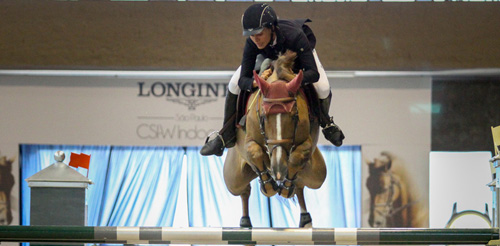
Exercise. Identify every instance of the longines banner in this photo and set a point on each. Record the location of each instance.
(190, 116)
(108, 110)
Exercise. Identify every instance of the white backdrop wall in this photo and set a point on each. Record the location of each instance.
(379, 113)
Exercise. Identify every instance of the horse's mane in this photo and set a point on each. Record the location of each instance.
(283, 67)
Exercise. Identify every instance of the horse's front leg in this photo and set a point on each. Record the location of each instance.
(259, 161)
(305, 217)
(296, 162)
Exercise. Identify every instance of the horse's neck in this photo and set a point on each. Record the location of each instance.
(281, 73)
(273, 77)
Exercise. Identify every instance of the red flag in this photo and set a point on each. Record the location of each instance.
(79, 160)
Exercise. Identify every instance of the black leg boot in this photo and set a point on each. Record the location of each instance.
(226, 138)
(331, 131)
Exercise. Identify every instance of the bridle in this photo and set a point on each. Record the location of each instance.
(389, 203)
(288, 105)
(263, 112)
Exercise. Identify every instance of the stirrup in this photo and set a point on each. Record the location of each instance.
(218, 135)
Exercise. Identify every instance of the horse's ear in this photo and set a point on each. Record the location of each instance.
(294, 85)
(263, 85)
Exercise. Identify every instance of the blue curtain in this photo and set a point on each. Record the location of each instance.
(210, 203)
(37, 157)
(132, 185)
(336, 204)
(151, 186)
(141, 186)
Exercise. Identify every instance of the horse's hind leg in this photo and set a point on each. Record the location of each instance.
(305, 217)
(245, 218)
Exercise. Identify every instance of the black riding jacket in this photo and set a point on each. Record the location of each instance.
(292, 35)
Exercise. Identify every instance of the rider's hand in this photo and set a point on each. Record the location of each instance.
(266, 74)
(254, 84)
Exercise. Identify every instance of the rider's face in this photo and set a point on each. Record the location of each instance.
(262, 39)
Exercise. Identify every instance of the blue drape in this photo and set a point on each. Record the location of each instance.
(140, 186)
(37, 157)
(132, 185)
(338, 202)
(211, 204)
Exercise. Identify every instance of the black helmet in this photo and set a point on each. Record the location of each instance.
(256, 17)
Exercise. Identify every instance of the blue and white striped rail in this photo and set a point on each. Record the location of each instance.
(267, 236)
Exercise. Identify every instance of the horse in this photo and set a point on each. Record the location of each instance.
(6, 184)
(277, 144)
(390, 201)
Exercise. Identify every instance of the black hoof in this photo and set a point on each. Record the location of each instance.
(245, 222)
(305, 218)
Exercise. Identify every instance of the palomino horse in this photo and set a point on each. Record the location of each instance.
(390, 204)
(279, 143)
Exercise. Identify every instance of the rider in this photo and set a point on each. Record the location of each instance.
(271, 37)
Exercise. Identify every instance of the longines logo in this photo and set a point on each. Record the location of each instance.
(185, 93)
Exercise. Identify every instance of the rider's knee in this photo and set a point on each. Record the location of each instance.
(233, 82)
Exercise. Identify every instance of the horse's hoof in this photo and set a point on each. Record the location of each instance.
(287, 191)
(245, 222)
(305, 219)
(268, 187)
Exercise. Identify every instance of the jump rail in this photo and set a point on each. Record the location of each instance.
(268, 236)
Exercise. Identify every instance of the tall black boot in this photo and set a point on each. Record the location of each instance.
(226, 137)
(331, 131)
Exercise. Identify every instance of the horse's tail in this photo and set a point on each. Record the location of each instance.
(284, 64)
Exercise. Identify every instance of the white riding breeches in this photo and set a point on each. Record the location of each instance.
(322, 86)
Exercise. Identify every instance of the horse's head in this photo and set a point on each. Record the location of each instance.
(379, 170)
(383, 191)
(278, 120)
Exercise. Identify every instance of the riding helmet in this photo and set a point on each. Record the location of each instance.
(256, 17)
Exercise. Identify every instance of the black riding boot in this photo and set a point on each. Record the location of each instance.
(331, 131)
(226, 138)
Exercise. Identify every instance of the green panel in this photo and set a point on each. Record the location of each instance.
(47, 232)
(236, 235)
